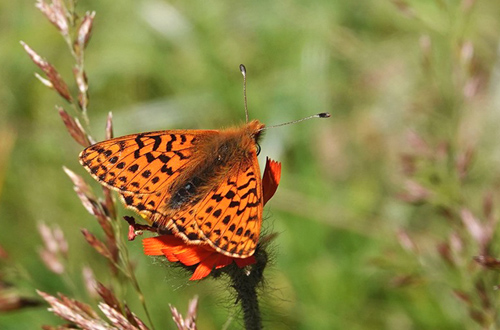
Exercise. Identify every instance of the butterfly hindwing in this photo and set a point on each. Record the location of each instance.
(229, 217)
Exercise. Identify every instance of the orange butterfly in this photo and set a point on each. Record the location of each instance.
(204, 185)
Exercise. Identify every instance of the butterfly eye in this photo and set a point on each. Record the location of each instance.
(258, 148)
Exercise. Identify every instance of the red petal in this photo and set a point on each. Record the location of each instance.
(205, 267)
(191, 255)
(176, 250)
(245, 261)
(223, 261)
(214, 260)
(271, 178)
(170, 255)
(153, 246)
(202, 271)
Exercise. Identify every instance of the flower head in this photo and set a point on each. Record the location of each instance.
(203, 257)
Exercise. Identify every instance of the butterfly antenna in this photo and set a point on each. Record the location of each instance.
(244, 73)
(318, 115)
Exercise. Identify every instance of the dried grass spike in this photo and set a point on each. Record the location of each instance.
(188, 323)
(84, 31)
(116, 319)
(109, 126)
(108, 296)
(97, 244)
(90, 282)
(56, 13)
(53, 76)
(74, 128)
(78, 313)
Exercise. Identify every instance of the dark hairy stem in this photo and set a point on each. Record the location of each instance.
(245, 283)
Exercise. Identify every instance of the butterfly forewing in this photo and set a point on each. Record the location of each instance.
(141, 163)
(143, 166)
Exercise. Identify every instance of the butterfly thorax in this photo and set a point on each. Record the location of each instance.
(216, 156)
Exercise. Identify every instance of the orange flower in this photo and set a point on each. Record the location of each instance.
(207, 259)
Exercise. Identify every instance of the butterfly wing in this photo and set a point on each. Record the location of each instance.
(141, 163)
(229, 217)
(142, 166)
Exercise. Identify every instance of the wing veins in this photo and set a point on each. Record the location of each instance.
(122, 157)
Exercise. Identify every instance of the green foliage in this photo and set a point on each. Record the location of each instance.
(372, 219)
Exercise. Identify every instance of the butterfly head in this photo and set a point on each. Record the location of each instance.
(255, 129)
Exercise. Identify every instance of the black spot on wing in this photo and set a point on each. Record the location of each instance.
(247, 184)
(193, 236)
(149, 157)
(180, 155)
(157, 140)
(252, 191)
(133, 168)
(138, 140)
(122, 145)
(173, 138)
(217, 197)
(164, 158)
(128, 200)
(166, 169)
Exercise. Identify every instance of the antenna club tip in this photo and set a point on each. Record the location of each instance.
(243, 69)
(324, 115)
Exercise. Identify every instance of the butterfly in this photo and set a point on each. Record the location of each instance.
(203, 185)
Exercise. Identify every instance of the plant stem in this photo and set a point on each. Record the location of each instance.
(245, 283)
(128, 271)
(247, 295)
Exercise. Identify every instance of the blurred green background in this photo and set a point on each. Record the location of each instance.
(382, 68)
